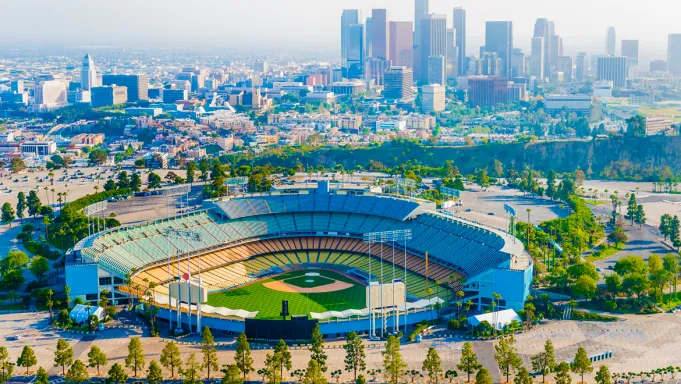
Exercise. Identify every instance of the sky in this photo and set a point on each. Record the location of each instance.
(315, 24)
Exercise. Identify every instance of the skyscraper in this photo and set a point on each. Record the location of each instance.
(402, 43)
(613, 68)
(137, 85)
(380, 34)
(398, 83)
(518, 63)
(630, 51)
(537, 58)
(349, 18)
(88, 74)
(355, 51)
(452, 63)
(674, 54)
(499, 39)
(437, 70)
(487, 91)
(433, 98)
(421, 8)
(460, 28)
(433, 42)
(610, 41)
(564, 64)
(581, 67)
(542, 28)
(368, 39)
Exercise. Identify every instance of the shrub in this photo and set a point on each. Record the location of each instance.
(453, 324)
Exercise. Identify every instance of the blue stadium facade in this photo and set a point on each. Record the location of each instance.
(487, 260)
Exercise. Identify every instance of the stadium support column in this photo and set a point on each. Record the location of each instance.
(383, 322)
(198, 302)
(405, 287)
(170, 298)
(372, 333)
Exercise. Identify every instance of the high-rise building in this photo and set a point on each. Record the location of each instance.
(460, 28)
(537, 58)
(564, 65)
(452, 64)
(375, 69)
(630, 51)
(518, 63)
(108, 95)
(433, 98)
(490, 64)
(349, 17)
(499, 39)
(260, 66)
(421, 8)
(170, 96)
(610, 41)
(380, 35)
(674, 54)
(368, 39)
(88, 73)
(487, 91)
(17, 86)
(613, 68)
(542, 29)
(658, 66)
(433, 42)
(556, 51)
(137, 85)
(402, 43)
(437, 70)
(581, 67)
(356, 48)
(398, 83)
(50, 94)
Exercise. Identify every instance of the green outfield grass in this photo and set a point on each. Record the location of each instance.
(256, 297)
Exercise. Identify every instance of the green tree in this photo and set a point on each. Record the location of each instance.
(77, 373)
(22, 204)
(154, 373)
(581, 364)
(117, 375)
(42, 377)
(110, 185)
(640, 216)
(283, 356)
(171, 357)
(317, 348)
(272, 369)
(33, 203)
(355, 354)
(665, 225)
(432, 365)
(210, 354)
(394, 366)
(482, 179)
(135, 359)
(98, 156)
(674, 234)
(191, 373)
(17, 165)
(27, 358)
(636, 126)
(563, 374)
(544, 362)
(507, 356)
(242, 356)
(154, 181)
(6, 368)
(483, 377)
(584, 286)
(8, 214)
(232, 375)
(469, 360)
(314, 373)
(603, 375)
(632, 208)
(39, 267)
(63, 355)
(135, 182)
(523, 377)
(191, 171)
(97, 358)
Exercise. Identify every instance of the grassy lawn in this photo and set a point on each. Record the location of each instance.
(256, 297)
(669, 301)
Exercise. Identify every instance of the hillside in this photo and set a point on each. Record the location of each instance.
(619, 158)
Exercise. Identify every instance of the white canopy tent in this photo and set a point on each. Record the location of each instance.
(498, 319)
(80, 313)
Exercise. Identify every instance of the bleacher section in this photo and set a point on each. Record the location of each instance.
(335, 219)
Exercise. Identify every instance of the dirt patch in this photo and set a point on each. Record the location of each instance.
(282, 286)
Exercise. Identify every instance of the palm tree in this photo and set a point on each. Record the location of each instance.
(47, 197)
(51, 175)
(52, 190)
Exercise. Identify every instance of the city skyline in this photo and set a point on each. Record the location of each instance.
(56, 24)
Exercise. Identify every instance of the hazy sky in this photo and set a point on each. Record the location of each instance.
(315, 23)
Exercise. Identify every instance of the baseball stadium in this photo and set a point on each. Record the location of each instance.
(319, 254)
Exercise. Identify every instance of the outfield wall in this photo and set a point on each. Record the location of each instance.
(332, 328)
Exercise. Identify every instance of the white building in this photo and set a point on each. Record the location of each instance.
(576, 103)
(391, 125)
(659, 124)
(603, 88)
(88, 74)
(49, 95)
(433, 98)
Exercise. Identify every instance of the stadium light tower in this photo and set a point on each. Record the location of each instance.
(402, 235)
(175, 233)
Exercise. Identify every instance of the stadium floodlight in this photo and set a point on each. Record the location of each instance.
(94, 209)
(450, 192)
(176, 233)
(400, 235)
